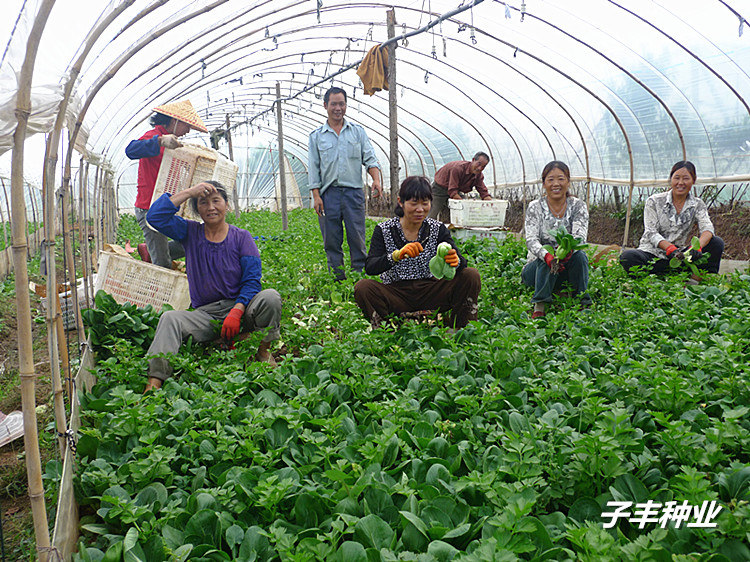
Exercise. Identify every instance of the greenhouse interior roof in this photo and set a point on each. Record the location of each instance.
(589, 82)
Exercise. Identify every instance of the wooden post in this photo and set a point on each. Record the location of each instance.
(23, 305)
(6, 248)
(55, 328)
(235, 195)
(68, 246)
(282, 171)
(83, 215)
(392, 107)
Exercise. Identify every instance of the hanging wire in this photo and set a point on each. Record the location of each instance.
(472, 33)
(434, 52)
(383, 45)
(5, 52)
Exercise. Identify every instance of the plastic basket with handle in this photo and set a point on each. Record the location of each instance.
(184, 167)
(140, 283)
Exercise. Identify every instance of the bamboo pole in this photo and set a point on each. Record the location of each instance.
(83, 223)
(6, 253)
(33, 222)
(392, 106)
(55, 333)
(56, 340)
(235, 195)
(50, 160)
(282, 171)
(23, 305)
(89, 258)
(68, 243)
(98, 197)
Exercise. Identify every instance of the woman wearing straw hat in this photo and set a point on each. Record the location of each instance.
(170, 121)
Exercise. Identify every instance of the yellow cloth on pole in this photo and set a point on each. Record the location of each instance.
(373, 70)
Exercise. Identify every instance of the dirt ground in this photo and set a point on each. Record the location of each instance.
(607, 226)
(15, 508)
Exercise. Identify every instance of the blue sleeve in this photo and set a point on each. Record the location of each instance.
(162, 216)
(313, 162)
(145, 148)
(250, 281)
(368, 152)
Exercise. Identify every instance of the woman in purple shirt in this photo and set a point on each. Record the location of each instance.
(224, 271)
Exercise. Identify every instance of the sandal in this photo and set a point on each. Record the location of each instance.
(538, 314)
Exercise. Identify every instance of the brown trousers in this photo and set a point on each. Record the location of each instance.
(456, 299)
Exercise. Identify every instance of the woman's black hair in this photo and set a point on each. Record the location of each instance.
(160, 119)
(562, 166)
(557, 164)
(220, 188)
(688, 165)
(413, 187)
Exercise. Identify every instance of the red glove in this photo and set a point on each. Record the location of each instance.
(451, 258)
(231, 326)
(548, 259)
(671, 248)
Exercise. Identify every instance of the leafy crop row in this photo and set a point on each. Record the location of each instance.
(501, 442)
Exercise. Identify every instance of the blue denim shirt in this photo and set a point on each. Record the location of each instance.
(338, 159)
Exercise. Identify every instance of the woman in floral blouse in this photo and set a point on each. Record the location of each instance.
(668, 220)
(400, 252)
(555, 208)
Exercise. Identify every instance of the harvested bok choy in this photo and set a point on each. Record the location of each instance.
(566, 243)
(438, 267)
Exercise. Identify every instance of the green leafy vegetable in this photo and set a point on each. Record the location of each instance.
(438, 267)
(695, 244)
(566, 243)
(503, 441)
(109, 321)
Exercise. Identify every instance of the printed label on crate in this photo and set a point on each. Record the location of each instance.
(471, 212)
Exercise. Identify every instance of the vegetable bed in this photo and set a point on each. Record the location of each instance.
(504, 441)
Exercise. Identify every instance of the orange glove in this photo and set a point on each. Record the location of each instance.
(451, 258)
(411, 250)
(231, 326)
(548, 259)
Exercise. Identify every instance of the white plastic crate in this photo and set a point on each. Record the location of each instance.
(475, 212)
(184, 167)
(479, 233)
(141, 283)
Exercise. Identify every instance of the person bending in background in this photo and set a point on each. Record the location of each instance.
(224, 271)
(456, 178)
(400, 252)
(170, 121)
(668, 220)
(337, 151)
(555, 208)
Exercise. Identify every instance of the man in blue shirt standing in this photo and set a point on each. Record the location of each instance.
(337, 150)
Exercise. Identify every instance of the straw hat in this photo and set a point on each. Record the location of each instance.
(183, 111)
